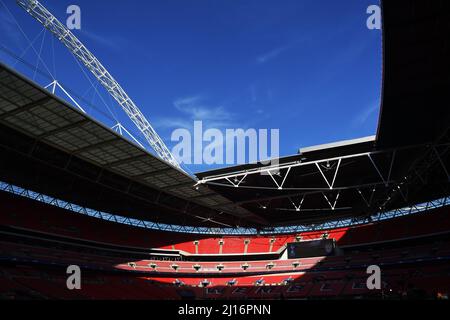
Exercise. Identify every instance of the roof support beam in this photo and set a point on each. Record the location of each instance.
(307, 191)
(386, 183)
(62, 129)
(180, 185)
(441, 162)
(280, 185)
(332, 206)
(96, 145)
(24, 108)
(330, 185)
(367, 202)
(152, 173)
(124, 161)
(237, 181)
(299, 206)
(233, 179)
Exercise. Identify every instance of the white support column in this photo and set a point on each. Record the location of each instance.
(297, 207)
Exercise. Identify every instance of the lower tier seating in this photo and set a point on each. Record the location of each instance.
(22, 282)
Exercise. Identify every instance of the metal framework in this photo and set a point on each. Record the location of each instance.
(119, 128)
(332, 193)
(422, 207)
(50, 22)
(235, 179)
(55, 84)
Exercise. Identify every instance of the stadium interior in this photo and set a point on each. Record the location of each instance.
(74, 192)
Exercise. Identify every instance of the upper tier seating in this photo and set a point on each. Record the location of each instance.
(29, 214)
(421, 263)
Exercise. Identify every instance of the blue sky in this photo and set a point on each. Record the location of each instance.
(311, 69)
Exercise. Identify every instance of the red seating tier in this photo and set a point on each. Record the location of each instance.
(29, 214)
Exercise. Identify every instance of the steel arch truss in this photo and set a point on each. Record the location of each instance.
(82, 53)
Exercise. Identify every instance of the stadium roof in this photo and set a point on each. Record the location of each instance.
(336, 144)
(406, 162)
(44, 128)
(50, 147)
(416, 72)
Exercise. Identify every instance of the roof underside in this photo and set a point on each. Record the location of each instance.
(50, 147)
(53, 148)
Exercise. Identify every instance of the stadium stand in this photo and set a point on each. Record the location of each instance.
(33, 251)
(39, 240)
(28, 214)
